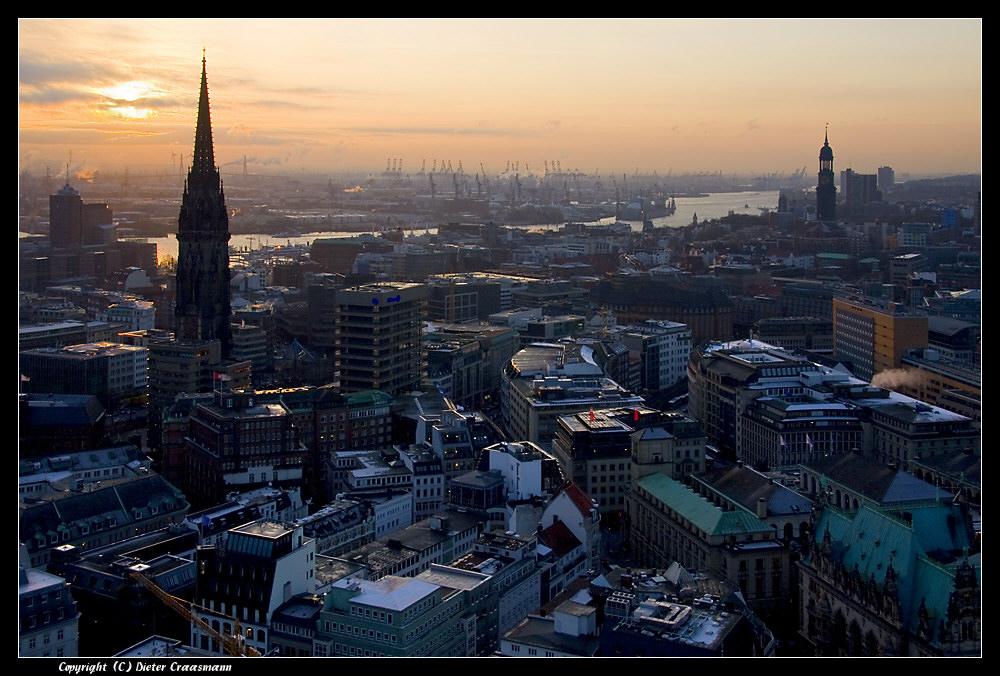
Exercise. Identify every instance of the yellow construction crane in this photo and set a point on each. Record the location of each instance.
(233, 645)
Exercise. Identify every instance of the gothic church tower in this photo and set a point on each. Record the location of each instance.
(203, 295)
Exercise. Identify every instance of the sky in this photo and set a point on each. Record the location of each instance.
(599, 96)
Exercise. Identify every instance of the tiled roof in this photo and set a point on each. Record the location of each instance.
(559, 538)
(580, 499)
(746, 486)
(873, 480)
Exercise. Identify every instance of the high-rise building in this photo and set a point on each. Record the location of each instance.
(859, 190)
(826, 191)
(203, 294)
(379, 337)
(873, 337)
(886, 178)
(66, 218)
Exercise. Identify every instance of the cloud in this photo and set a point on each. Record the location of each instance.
(435, 131)
(239, 130)
(38, 73)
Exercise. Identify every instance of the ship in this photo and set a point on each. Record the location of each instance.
(645, 208)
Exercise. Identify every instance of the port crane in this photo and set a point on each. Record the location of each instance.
(233, 645)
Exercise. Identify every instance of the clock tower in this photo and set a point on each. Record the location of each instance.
(826, 191)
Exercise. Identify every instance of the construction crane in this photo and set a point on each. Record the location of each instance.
(233, 645)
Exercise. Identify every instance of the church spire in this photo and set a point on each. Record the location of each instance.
(203, 299)
(204, 152)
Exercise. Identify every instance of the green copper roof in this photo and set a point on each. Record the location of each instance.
(699, 511)
(924, 548)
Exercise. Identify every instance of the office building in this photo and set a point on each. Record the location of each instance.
(671, 522)
(662, 348)
(393, 617)
(546, 381)
(66, 218)
(675, 447)
(238, 443)
(379, 339)
(593, 451)
(110, 371)
(858, 191)
(872, 337)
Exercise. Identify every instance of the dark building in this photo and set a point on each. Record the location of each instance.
(826, 191)
(859, 191)
(107, 595)
(66, 218)
(699, 303)
(236, 443)
(378, 336)
(59, 423)
(203, 294)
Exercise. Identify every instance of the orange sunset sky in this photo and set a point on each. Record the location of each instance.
(605, 95)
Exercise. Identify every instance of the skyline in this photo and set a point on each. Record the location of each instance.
(737, 96)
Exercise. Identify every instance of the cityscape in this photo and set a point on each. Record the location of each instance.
(315, 387)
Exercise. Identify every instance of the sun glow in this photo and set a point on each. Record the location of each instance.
(129, 91)
(120, 95)
(131, 112)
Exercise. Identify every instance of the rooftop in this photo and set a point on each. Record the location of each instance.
(390, 592)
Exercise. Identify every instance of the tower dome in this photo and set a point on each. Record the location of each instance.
(826, 152)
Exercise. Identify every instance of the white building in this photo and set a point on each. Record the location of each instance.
(138, 315)
(48, 620)
(570, 631)
(663, 348)
(263, 565)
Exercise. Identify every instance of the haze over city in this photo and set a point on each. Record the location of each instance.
(589, 95)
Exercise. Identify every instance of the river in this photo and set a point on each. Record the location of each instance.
(710, 207)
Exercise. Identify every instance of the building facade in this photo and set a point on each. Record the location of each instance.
(900, 582)
(236, 443)
(378, 337)
(262, 565)
(48, 621)
(874, 338)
